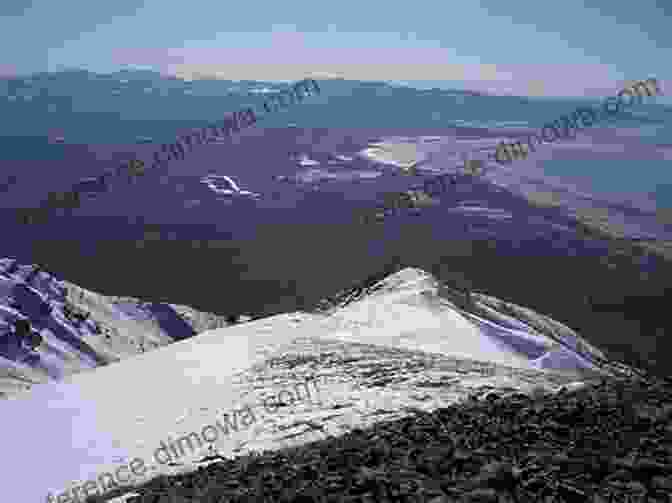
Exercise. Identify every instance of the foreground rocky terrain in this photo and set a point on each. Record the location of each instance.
(396, 436)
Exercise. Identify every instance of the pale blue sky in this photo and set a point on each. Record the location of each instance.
(535, 47)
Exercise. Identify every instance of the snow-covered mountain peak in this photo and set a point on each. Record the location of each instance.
(398, 343)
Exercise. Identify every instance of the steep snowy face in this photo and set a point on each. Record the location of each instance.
(412, 309)
(31, 333)
(50, 329)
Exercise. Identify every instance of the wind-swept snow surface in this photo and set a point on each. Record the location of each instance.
(368, 356)
(411, 309)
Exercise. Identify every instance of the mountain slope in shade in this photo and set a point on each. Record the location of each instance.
(73, 329)
(371, 358)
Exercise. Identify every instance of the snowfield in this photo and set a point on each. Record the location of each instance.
(371, 357)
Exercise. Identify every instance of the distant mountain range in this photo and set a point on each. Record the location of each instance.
(86, 107)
